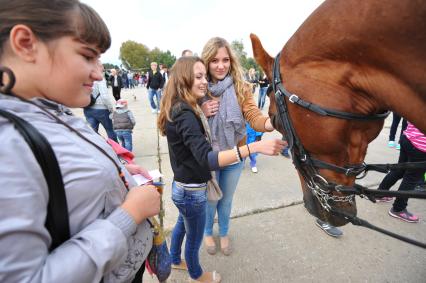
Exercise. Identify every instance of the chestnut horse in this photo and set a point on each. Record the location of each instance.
(357, 57)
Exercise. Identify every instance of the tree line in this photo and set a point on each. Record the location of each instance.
(138, 57)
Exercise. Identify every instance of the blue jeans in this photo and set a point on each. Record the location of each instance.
(96, 116)
(157, 94)
(262, 97)
(125, 138)
(253, 160)
(251, 137)
(191, 221)
(227, 178)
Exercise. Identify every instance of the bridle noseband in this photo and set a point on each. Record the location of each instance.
(307, 165)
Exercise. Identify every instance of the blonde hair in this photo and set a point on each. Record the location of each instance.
(178, 88)
(210, 50)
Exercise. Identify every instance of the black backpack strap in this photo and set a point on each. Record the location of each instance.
(57, 222)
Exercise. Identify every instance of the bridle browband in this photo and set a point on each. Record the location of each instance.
(307, 165)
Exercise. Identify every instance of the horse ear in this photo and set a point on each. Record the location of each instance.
(261, 56)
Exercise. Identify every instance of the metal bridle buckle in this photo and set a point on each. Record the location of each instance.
(363, 174)
(293, 96)
(357, 171)
(349, 171)
(320, 178)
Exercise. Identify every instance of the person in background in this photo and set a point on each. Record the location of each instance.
(394, 127)
(109, 236)
(253, 136)
(124, 78)
(99, 113)
(192, 158)
(187, 52)
(130, 79)
(413, 149)
(252, 78)
(123, 123)
(263, 87)
(107, 74)
(394, 175)
(154, 85)
(228, 105)
(116, 83)
(165, 73)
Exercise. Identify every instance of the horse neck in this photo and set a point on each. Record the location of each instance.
(368, 53)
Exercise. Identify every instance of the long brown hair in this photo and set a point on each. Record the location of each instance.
(210, 50)
(178, 88)
(51, 19)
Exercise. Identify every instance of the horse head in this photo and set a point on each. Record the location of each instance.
(335, 141)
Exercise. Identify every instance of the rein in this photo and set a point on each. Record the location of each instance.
(307, 165)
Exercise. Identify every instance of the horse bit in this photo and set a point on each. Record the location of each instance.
(307, 165)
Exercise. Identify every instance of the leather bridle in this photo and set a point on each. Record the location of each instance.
(308, 166)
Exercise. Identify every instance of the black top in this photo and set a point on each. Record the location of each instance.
(191, 155)
(264, 82)
(155, 81)
(119, 81)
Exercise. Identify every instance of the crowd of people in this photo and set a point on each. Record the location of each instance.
(205, 109)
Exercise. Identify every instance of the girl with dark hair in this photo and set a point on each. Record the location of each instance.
(52, 49)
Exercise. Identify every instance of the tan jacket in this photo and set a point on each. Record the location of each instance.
(253, 115)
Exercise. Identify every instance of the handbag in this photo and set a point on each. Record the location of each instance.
(214, 193)
(159, 261)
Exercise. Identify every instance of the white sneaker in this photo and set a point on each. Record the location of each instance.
(254, 169)
(154, 111)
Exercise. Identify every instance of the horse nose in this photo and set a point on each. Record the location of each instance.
(348, 209)
(314, 207)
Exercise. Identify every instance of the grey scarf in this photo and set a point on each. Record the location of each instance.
(214, 193)
(227, 126)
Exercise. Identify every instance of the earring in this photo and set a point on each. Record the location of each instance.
(6, 88)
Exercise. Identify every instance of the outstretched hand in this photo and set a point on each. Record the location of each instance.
(269, 147)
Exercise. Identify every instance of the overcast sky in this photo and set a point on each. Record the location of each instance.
(176, 25)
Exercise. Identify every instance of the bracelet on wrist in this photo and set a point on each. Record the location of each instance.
(248, 148)
(237, 154)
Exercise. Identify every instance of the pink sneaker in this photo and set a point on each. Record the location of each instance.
(404, 215)
(384, 199)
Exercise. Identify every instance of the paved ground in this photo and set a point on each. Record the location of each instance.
(275, 239)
